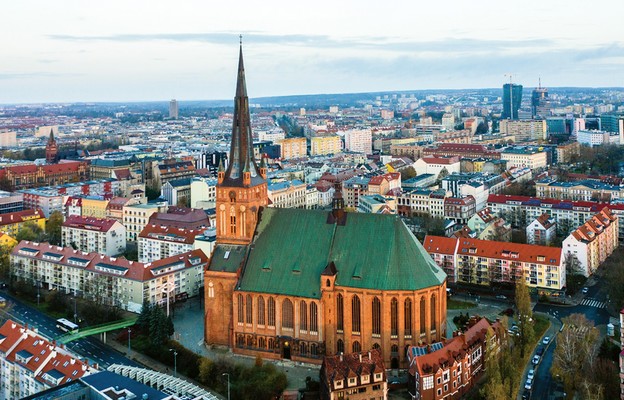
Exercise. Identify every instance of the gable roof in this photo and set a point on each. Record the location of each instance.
(369, 251)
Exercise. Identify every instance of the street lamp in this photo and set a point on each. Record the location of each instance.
(75, 309)
(175, 362)
(228, 379)
(38, 294)
(129, 332)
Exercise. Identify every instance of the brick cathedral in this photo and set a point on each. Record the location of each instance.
(299, 284)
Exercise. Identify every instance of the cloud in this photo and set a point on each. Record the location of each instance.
(324, 41)
(31, 75)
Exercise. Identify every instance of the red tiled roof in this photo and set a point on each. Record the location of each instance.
(513, 251)
(441, 160)
(20, 216)
(90, 223)
(341, 367)
(170, 233)
(591, 229)
(123, 174)
(440, 244)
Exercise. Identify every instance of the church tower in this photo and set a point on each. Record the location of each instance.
(242, 187)
(51, 149)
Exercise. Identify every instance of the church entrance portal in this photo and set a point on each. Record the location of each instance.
(286, 350)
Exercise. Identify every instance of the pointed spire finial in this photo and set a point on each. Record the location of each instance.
(241, 39)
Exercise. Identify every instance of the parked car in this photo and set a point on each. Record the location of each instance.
(536, 359)
(585, 290)
(501, 297)
(540, 351)
(546, 340)
(529, 384)
(531, 374)
(526, 395)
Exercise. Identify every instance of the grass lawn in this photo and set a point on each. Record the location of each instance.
(452, 304)
(541, 324)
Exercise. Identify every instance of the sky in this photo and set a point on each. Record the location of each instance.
(154, 50)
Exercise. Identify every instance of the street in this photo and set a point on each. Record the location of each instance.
(90, 348)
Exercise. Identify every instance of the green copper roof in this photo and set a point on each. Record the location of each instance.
(227, 258)
(292, 247)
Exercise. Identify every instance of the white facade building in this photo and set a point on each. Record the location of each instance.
(203, 192)
(359, 140)
(89, 234)
(157, 242)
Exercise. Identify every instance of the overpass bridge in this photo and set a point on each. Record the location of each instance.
(98, 329)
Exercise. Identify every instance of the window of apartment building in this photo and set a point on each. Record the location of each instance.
(428, 382)
(445, 376)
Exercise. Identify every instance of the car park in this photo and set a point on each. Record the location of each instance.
(529, 384)
(536, 359)
(531, 374)
(546, 340)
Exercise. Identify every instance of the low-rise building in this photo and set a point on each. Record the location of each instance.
(436, 165)
(542, 230)
(484, 262)
(377, 204)
(288, 194)
(115, 281)
(31, 364)
(446, 371)
(11, 202)
(583, 190)
(177, 191)
(359, 375)
(181, 217)
(12, 223)
(422, 202)
(529, 157)
(487, 225)
(592, 242)
(459, 209)
(89, 234)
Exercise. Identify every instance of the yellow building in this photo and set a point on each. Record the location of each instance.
(321, 145)
(293, 148)
(11, 223)
(7, 241)
(92, 207)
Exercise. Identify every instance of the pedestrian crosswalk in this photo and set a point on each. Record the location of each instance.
(593, 303)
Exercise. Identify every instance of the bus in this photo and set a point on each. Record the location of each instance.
(66, 325)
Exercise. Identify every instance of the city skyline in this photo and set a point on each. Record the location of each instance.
(145, 51)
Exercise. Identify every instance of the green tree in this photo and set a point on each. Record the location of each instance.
(53, 228)
(494, 387)
(158, 330)
(144, 317)
(525, 317)
(5, 262)
(408, 173)
(576, 351)
(29, 231)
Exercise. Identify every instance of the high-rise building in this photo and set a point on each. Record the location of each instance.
(540, 104)
(173, 109)
(512, 98)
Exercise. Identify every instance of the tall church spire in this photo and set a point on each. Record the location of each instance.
(242, 169)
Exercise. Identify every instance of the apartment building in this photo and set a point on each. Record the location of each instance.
(157, 242)
(293, 148)
(353, 188)
(359, 140)
(86, 206)
(99, 235)
(459, 209)
(360, 375)
(447, 371)
(435, 165)
(484, 262)
(289, 194)
(321, 145)
(583, 190)
(11, 202)
(203, 192)
(422, 202)
(529, 157)
(116, 281)
(524, 130)
(542, 230)
(593, 241)
(136, 217)
(12, 223)
(389, 183)
(568, 215)
(30, 364)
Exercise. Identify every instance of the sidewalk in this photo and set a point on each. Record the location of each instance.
(152, 364)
